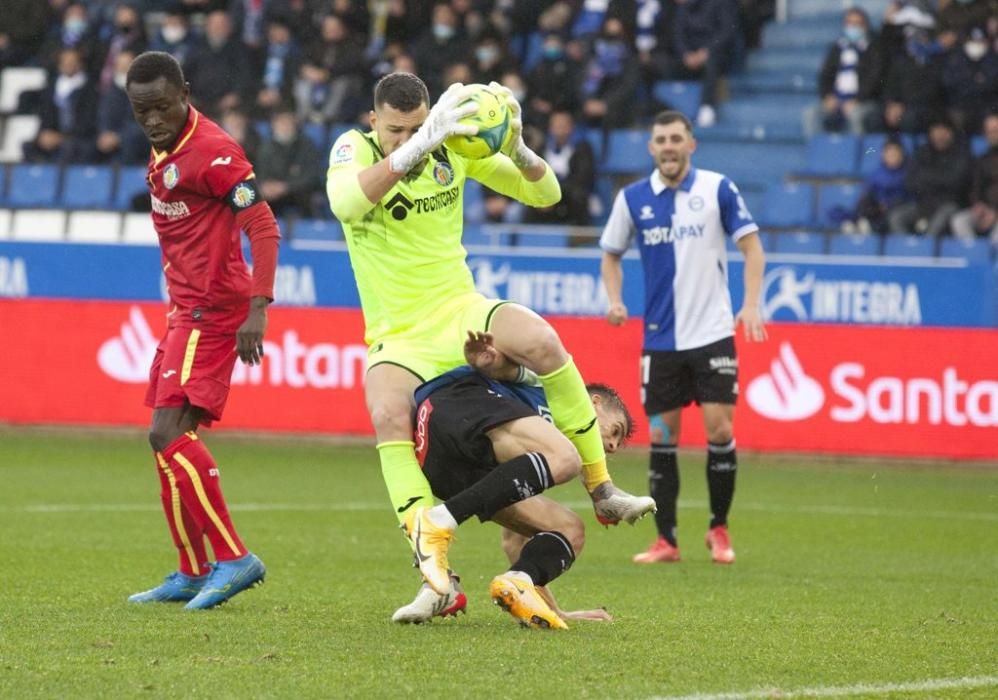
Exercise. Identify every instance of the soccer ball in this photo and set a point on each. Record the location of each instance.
(492, 120)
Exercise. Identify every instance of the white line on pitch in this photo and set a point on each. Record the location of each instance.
(846, 691)
(362, 506)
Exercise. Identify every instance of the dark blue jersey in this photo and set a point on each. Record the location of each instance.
(532, 396)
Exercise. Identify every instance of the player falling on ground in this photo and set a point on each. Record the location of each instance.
(488, 451)
(203, 195)
(398, 192)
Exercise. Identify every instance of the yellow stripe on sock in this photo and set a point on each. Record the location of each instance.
(178, 517)
(192, 346)
(203, 497)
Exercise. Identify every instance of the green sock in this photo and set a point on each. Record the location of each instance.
(408, 489)
(575, 417)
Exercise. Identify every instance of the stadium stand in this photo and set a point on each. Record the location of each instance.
(788, 205)
(33, 186)
(903, 244)
(853, 244)
(94, 227)
(800, 242)
(5, 215)
(137, 229)
(87, 187)
(42, 225)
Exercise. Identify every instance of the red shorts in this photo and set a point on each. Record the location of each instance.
(195, 366)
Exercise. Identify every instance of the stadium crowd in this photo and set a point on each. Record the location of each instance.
(292, 65)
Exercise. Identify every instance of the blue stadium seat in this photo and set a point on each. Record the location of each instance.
(552, 238)
(325, 230)
(835, 202)
(975, 250)
(474, 202)
(681, 95)
(476, 235)
(3, 182)
(831, 155)
(801, 242)
(788, 205)
(908, 245)
(749, 164)
(765, 238)
(978, 145)
(853, 244)
(627, 152)
(317, 134)
(131, 182)
(873, 144)
(595, 137)
(33, 186)
(87, 187)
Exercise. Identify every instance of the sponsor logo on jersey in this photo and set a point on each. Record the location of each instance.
(656, 235)
(243, 195)
(171, 210)
(343, 154)
(443, 173)
(221, 161)
(171, 176)
(399, 206)
(646, 213)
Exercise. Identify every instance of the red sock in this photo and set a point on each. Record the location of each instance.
(197, 481)
(188, 536)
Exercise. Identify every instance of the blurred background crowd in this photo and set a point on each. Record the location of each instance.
(286, 76)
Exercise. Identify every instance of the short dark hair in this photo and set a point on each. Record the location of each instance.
(858, 11)
(403, 91)
(152, 65)
(613, 401)
(671, 116)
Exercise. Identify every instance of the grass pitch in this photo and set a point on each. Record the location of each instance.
(853, 579)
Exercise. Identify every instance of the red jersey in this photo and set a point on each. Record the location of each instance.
(197, 188)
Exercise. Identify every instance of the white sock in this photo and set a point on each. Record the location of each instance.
(520, 576)
(441, 517)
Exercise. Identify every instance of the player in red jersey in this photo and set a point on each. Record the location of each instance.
(203, 194)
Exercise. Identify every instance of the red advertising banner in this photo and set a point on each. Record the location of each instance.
(832, 389)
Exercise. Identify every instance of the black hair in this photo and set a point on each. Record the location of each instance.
(671, 116)
(403, 91)
(611, 399)
(152, 65)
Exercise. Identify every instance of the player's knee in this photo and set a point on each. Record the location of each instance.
(563, 462)
(575, 532)
(720, 432)
(543, 351)
(392, 421)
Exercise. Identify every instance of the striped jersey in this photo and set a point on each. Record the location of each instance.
(681, 235)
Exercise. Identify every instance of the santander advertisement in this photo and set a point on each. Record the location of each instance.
(814, 388)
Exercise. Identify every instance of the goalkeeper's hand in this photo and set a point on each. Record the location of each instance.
(514, 147)
(442, 122)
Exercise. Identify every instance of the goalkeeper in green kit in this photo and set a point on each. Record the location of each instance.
(398, 192)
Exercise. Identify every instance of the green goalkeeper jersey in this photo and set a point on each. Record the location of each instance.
(406, 249)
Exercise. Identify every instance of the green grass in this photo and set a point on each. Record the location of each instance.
(848, 573)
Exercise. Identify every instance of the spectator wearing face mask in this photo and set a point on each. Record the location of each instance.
(289, 167)
(981, 218)
(491, 58)
(554, 82)
(938, 179)
(571, 158)
(439, 46)
(849, 81)
(958, 17)
(74, 32)
(119, 137)
(970, 81)
(68, 115)
(611, 78)
(174, 36)
(913, 89)
(125, 33)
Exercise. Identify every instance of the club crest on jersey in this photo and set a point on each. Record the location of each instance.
(696, 203)
(243, 195)
(443, 173)
(171, 176)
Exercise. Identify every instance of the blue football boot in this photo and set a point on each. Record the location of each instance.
(176, 588)
(227, 579)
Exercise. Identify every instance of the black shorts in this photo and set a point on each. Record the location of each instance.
(452, 444)
(673, 379)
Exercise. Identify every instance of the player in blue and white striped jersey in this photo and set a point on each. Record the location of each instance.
(680, 218)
